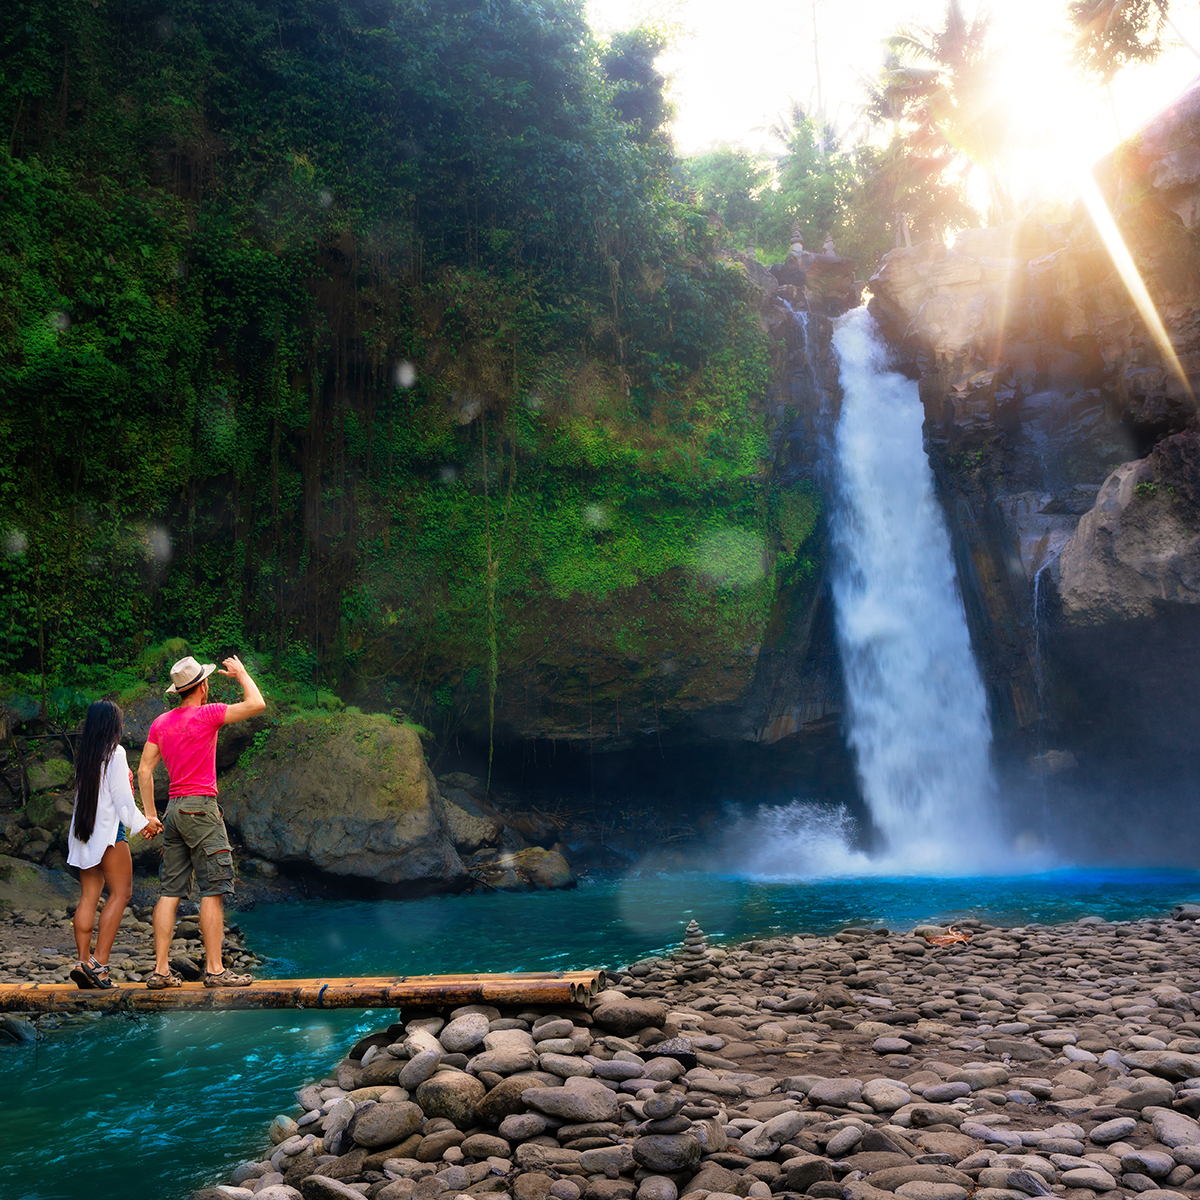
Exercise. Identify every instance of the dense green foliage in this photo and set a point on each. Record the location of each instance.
(813, 182)
(329, 328)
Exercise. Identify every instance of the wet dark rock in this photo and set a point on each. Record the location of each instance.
(453, 1095)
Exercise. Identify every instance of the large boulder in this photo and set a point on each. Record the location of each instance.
(26, 885)
(235, 740)
(139, 711)
(523, 870)
(1140, 544)
(348, 794)
(142, 706)
(468, 825)
(544, 868)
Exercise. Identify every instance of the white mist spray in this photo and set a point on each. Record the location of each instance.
(917, 713)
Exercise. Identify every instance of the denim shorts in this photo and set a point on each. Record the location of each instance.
(122, 833)
(195, 842)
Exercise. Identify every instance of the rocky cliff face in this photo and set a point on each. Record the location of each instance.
(797, 684)
(629, 671)
(1064, 440)
(1044, 294)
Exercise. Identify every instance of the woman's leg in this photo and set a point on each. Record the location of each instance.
(91, 883)
(117, 865)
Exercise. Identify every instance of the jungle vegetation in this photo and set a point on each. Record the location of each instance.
(365, 335)
(931, 113)
(353, 334)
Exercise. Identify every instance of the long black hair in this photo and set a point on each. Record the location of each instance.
(101, 733)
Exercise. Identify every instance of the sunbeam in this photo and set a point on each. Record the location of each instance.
(1131, 277)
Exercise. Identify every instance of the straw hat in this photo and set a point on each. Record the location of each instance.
(186, 673)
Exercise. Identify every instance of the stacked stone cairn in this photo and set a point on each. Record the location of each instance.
(693, 958)
(1037, 1061)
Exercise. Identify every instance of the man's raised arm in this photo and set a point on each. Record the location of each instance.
(253, 703)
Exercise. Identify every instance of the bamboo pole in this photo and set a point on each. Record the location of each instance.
(403, 991)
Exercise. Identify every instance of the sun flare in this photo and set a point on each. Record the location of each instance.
(730, 76)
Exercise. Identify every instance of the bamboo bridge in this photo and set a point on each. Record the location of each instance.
(401, 991)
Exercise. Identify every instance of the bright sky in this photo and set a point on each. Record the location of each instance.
(738, 65)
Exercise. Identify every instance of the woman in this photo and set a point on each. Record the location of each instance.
(98, 844)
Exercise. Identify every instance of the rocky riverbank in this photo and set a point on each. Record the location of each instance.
(37, 946)
(1009, 1064)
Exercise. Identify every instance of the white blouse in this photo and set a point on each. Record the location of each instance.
(114, 804)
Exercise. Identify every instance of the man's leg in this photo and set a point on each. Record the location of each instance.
(164, 927)
(213, 862)
(212, 930)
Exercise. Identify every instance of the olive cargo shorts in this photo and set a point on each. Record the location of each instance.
(194, 839)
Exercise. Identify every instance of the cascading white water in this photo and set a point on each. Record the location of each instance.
(917, 717)
(917, 712)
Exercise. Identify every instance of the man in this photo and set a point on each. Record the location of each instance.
(194, 834)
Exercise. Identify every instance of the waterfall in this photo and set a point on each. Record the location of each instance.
(916, 719)
(917, 712)
(1039, 670)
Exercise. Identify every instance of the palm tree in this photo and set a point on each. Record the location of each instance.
(1113, 34)
(913, 179)
(944, 81)
(1116, 33)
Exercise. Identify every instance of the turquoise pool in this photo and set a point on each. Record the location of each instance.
(151, 1108)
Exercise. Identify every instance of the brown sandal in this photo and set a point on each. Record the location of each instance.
(158, 983)
(226, 978)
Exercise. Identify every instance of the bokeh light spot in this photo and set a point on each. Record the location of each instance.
(730, 557)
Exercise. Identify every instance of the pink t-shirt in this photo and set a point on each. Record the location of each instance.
(187, 737)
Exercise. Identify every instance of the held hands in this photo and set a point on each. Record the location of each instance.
(153, 828)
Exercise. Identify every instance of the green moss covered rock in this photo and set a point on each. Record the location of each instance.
(351, 795)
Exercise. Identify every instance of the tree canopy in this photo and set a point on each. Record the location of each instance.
(285, 283)
(1114, 34)
(939, 90)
